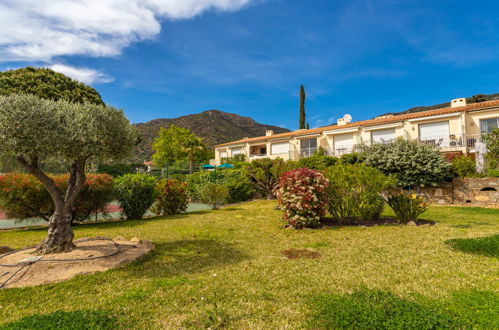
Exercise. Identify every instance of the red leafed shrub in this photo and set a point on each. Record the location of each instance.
(23, 196)
(171, 197)
(302, 196)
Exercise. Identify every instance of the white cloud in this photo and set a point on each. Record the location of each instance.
(85, 75)
(34, 30)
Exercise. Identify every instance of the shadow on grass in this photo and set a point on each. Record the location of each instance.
(186, 257)
(81, 319)
(487, 246)
(368, 309)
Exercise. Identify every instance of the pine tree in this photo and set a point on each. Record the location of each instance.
(302, 107)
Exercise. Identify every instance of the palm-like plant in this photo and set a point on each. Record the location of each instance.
(195, 149)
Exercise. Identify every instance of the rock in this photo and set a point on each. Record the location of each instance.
(411, 223)
(136, 240)
(147, 243)
(425, 225)
(119, 238)
(5, 249)
(82, 239)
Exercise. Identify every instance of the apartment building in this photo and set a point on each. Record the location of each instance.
(451, 130)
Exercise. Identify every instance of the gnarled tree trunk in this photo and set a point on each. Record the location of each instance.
(60, 235)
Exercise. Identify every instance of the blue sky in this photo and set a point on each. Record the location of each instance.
(176, 57)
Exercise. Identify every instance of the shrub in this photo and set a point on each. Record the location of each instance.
(240, 188)
(302, 196)
(22, 196)
(215, 195)
(463, 166)
(412, 163)
(135, 194)
(354, 192)
(406, 206)
(353, 158)
(317, 162)
(119, 169)
(492, 140)
(171, 197)
(264, 174)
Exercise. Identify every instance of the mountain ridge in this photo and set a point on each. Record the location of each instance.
(214, 126)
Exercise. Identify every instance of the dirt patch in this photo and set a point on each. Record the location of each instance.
(301, 254)
(23, 268)
(330, 222)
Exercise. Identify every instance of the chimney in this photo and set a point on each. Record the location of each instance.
(347, 119)
(269, 133)
(461, 102)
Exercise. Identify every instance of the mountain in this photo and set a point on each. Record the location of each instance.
(214, 126)
(472, 99)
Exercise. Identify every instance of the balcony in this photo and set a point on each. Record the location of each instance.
(444, 142)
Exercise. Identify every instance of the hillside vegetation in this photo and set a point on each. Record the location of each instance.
(214, 126)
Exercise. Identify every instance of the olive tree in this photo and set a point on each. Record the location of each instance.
(33, 129)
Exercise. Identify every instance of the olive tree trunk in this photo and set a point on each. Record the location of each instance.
(60, 235)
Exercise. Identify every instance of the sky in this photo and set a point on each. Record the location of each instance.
(168, 58)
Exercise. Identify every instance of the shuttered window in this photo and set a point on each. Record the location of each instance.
(280, 148)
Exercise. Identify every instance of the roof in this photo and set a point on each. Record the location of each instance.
(367, 123)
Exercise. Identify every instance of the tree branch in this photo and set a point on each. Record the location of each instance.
(49, 184)
(76, 181)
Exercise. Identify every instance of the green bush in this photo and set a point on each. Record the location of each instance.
(240, 188)
(412, 163)
(492, 140)
(135, 194)
(463, 166)
(22, 196)
(353, 158)
(264, 174)
(215, 195)
(119, 169)
(317, 162)
(354, 192)
(171, 197)
(406, 206)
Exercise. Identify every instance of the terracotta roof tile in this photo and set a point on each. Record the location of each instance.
(367, 123)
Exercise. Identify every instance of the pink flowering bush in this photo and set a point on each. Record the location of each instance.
(302, 196)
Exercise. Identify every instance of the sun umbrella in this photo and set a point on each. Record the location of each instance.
(208, 167)
(226, 166)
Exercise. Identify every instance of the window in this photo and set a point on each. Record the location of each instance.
(308, 147)
(343, 143)
(383, 135)
(280, 148)
(223, 154)
(237, 151)
(488, 125)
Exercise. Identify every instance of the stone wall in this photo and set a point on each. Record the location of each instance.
(479, 191)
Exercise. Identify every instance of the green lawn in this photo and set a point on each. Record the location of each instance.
(225, 269)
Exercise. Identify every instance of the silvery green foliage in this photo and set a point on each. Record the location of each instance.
(33, 127)
(412, 163)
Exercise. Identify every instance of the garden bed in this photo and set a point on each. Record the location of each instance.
(22, 268)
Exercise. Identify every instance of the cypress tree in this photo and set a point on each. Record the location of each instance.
(302, 107)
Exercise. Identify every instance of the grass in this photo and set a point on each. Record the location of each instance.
(226, 269)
